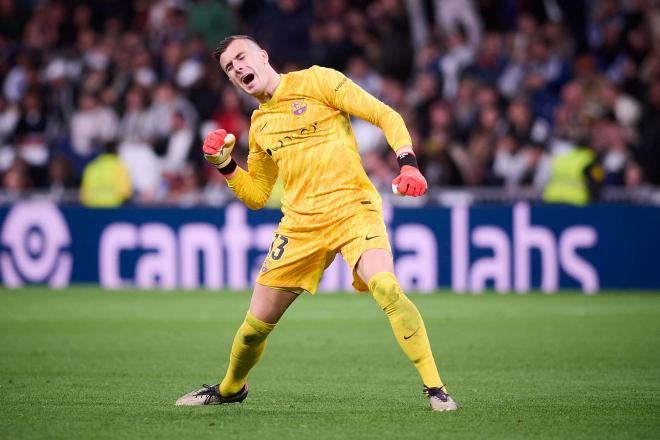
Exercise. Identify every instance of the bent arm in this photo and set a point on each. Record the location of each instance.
(343, 94)
(253, 187)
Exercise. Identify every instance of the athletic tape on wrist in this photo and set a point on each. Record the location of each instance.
(407, 158)
(229, 168)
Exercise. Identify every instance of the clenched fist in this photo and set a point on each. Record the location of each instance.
(217, 148)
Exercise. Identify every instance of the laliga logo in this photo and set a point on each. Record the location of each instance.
(33, 237)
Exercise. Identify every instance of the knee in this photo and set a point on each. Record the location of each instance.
(372, 262)
(385, 289)
(253, 331)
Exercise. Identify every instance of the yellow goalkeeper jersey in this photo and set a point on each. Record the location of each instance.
(303, 133)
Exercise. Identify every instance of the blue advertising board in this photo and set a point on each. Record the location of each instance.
(469, 249)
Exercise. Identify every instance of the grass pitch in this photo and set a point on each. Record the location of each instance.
(86, 363)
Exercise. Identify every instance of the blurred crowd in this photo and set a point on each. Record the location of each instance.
(491, 90)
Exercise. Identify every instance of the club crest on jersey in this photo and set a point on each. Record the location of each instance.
(298, 108)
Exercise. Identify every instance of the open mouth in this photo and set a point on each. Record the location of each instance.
(247, 79)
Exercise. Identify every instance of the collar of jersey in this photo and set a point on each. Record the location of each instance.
(276, 96)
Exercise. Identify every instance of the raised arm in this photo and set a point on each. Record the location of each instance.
(252, 187)
(343, 94)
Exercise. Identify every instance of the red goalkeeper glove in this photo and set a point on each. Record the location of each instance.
(217, 148)
(409, 182)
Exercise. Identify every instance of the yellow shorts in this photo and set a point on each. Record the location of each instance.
(297, 257)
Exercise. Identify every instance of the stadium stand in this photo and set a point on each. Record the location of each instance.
(493, 91)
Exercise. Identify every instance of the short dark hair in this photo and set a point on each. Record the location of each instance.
(224, 44)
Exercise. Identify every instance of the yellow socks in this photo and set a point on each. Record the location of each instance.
(249, 344)
(407, 325)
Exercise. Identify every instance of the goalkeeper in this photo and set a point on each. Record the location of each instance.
(302, 132)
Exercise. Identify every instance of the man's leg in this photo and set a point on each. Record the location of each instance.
(376, 267)
(266, 308)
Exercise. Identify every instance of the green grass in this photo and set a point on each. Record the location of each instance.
(85, 363)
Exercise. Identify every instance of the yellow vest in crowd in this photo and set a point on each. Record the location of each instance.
(568, 182)
(275, 199)
(105, 183)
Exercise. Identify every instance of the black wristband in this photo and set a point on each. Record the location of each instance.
(229, 168)
(407, 158)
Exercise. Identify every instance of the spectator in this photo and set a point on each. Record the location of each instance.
(648, 151)
(16, 179)
(576, 177)
(92, 124)
(231, 116)
(456, 16)
(105, 182)
(175, 161)
(464, 108)
(481, 145)
(520, 152)
(166, 102)
(443, 162)
(459, 56)
(60, 95)
(184, 188)
(211, 19)
(333, 47)
(203, 95)
(483, 110)
(12, 18)
(517, 166)
(608, 143)
(424, 93)
(173, 56)
(524, 128)
(62, 178)
(283, 27)
(144, 168)
(9, 115)
(544, 76)
(31, 138)
(18, 79)
(490, 61)
(359, 71)
(392, 50)
(571, 118)
(133, 122)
